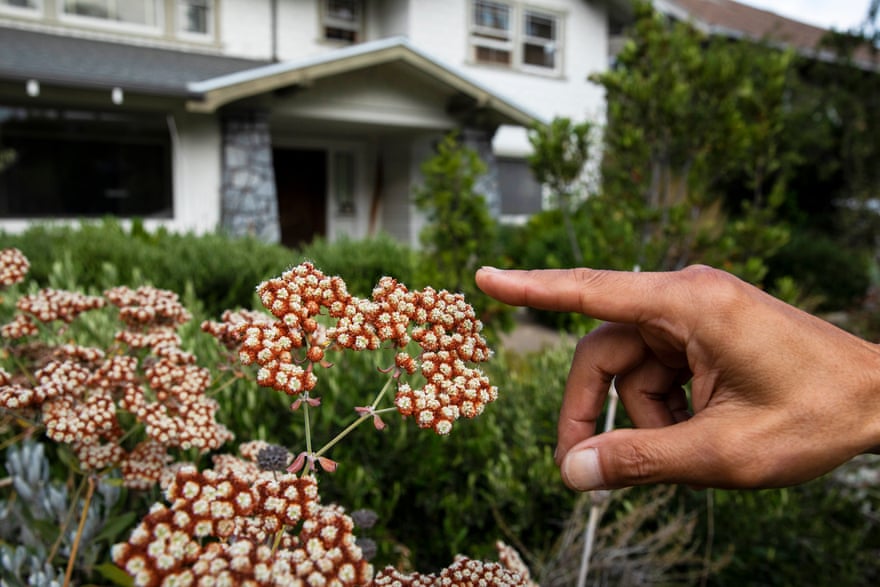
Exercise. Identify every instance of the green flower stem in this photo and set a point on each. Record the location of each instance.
(343, 434)
(305, 405)
(381, 393)
(232, 379)
(360, 420)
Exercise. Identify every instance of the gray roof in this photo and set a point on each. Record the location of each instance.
(86, 63)
(210, 81)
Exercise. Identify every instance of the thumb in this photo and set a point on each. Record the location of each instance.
(626, 457)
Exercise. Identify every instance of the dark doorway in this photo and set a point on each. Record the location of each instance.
(301, 181)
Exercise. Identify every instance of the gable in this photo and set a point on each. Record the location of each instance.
(389, 95)
(392, 60)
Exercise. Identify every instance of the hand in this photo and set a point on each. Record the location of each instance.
(778, 396)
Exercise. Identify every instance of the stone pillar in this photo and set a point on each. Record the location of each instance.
(481, 142)
(248, 197)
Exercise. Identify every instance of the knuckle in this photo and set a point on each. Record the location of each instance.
(637, 465)
(723, 290)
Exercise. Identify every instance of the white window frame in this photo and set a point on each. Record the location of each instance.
(31, 12)
(117, 25)
(547, 44)
(180, 7)
(491, 37)
(329, 21)
(516, 38)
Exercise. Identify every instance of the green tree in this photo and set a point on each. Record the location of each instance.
(560, 154)
(685, 112)
(459, 225)
(460, 234)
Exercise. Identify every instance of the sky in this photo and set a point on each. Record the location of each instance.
(840, 14)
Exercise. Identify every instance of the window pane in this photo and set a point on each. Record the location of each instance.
(337, 34)
(20, 3)
(343, 180)
(346, 10)
(490, 55)
(80, 163)
(195, 16)
(541, 27)
(142, 12)
(342, 20)
(491, 15)
(93, 8)
(539, 55)
(520, 191)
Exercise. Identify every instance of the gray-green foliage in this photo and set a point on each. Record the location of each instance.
(42, 512)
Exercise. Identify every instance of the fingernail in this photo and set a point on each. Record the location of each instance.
(490, 269)
(581, 470)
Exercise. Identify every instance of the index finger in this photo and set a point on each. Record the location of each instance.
(613, 296)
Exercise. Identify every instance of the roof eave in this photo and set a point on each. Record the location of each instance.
(214, 93)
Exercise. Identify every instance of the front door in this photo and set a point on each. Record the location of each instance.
(301, 182)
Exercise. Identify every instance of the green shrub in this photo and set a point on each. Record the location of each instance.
(223, 272)
(821, 267)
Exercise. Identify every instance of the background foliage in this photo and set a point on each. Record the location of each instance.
(494, 477)
(728, 153)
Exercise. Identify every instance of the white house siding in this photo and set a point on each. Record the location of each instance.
(197, 172)
(389, 19)
(298, 31)
(245, 27)
(440, 27)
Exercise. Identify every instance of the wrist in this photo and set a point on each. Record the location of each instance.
(873, 401)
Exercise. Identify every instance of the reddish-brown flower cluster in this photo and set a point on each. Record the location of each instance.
(231, 328)
(49, 304)
(79, 394)
(440, 323)
(21, 326)
(295, 299)
(77, 391)
(464, 572)
(181, 415)
(148, 306)
(13, 267)
(234, 525)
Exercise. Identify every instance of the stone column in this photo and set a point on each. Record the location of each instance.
(481, 142)
(248, 197)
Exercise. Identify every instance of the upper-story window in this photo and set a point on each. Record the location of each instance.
(510, 35)
(142, 13)
(342, 20)
(195, 17)
(192, 20)
(21, 6)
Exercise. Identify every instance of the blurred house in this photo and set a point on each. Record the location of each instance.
(285, 119)
(735, 20)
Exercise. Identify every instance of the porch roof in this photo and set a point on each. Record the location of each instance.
(223, 89)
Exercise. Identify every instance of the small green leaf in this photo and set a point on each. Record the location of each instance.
(115, 574)
(115, 526)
